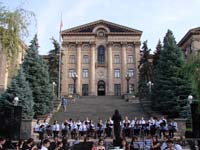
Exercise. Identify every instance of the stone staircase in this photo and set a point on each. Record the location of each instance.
(95, 107)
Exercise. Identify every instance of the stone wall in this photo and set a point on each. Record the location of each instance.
(181, 122)
(26, 130)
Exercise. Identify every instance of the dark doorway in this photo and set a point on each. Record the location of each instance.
(117, 89)
(101, 88)
(85, 90)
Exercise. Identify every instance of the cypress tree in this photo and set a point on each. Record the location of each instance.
(36, 73)
(53, 63)
(145, 69)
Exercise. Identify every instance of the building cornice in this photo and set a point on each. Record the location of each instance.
(194, 31)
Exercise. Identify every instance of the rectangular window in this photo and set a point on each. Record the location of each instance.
(116, 59)
(71, 73)
(71, 88)
(85, 73)
(117, 73)
(85, 59)
(131, 72)
(72, 59)
(130, 59)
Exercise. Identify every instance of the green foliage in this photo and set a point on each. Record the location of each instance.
(156, 55)
(170, 87)
(13, 27)
(145, 69)
(21, 88)
(36, 72)
(192, 70)
(53, 63)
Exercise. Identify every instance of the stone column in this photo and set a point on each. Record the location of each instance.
(92, 85)
(78, 69)
(137, 60)
(123, 68)
(110, 70)
(64, 69)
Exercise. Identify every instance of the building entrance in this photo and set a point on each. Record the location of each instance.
(101, 88)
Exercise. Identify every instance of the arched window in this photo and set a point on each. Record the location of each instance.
(101, 54)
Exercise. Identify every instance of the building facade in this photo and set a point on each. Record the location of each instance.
(190, 43)
(5, 75)
(101, 54)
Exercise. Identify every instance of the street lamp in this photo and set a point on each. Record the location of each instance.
(190, 99)
(127, 79)
(194, 116)
(54, 84)
(74, 77)
(150, 84)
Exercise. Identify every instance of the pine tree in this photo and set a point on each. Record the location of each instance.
(156, 54)
(169, 87)
(145, 69)
(53, 63)
(36, 72)
(21, 88)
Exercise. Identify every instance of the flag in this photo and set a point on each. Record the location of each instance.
(61, 25)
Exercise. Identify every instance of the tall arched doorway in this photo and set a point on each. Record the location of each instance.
(101, 88)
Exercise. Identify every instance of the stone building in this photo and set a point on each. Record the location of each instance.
(5, 75)
(101, 53)
(190, 43)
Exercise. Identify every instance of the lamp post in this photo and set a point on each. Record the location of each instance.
(53, 89)
(194, 117)
(150, 84)
(74, 77)
(127, 79)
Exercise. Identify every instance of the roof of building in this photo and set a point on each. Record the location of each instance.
(194, 31)
(112, 27)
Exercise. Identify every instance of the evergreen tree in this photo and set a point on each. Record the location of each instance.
(53, 63)
(169, 87)
(145, 69)
(21, 88)
(36, 72)
(157, 53)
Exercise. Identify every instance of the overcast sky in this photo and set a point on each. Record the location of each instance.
(153, 17)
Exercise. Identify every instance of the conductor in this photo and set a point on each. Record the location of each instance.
(117, 129)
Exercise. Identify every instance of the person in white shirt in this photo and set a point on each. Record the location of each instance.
(55, 128)
(172, 127)
(45, 144)
(65, 128)
(74, 130)
(37, 126)
(109, 127)
(83, 129)
(163, 126)
(45, 123)
(126, 127)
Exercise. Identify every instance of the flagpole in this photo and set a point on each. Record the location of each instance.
(60, 62)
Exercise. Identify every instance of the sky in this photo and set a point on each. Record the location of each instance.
(153, 17)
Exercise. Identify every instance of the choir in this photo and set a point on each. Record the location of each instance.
(129, 128)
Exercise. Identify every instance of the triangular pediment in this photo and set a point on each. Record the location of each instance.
(112, 27)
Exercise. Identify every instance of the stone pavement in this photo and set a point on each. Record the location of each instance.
(94, 107)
